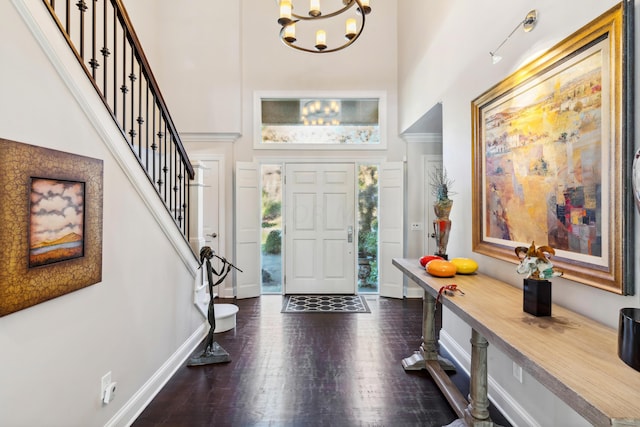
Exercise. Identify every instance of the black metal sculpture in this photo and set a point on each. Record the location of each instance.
(212, 352)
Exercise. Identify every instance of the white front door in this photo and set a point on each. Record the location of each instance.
(320, 234)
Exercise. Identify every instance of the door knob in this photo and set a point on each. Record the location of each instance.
(214, 235)
(350, 234)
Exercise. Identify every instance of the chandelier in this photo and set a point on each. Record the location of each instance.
(314, 20)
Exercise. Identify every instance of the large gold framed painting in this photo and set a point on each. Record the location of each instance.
(51, 233)
(552, 156)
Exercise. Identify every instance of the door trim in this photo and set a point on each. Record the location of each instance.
(225, 289)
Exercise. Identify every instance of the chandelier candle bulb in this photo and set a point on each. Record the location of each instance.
(351, 28)
(321, 40)
(314, 8)
(365, 6)
(285, 12)
(290, 33)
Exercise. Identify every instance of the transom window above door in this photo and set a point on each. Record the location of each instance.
(320, 121)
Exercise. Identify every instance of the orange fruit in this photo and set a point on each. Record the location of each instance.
(441, 268)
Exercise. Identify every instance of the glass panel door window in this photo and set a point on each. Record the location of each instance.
(320, 122)
(271, 229)
(368, 228)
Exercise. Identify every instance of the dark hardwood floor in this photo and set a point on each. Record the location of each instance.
(307, 369)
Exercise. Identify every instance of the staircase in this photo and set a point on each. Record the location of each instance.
(101, 36)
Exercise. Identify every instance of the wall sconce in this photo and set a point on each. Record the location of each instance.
(528, 24)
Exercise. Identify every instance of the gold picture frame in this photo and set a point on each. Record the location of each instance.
(552, 153)
(24, 171)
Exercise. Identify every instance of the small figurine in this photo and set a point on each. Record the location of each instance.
(534, 262)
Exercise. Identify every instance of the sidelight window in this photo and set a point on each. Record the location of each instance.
(271, 229)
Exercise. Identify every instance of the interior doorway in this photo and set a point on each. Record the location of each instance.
(247, 225)
(365, 238)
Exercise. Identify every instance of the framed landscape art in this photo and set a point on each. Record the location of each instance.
(552, 155)
(51, 231)
(56, 221)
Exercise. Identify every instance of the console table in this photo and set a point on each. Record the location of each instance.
(573, 356)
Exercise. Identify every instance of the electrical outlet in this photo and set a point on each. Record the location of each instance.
(110, 393)
(517, 372)
(105, 382)
(416, 226)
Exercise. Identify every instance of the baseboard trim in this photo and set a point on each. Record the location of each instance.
(131, 410)
(499, 397)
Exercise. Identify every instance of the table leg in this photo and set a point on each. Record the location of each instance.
(429, 346)
(477, 413)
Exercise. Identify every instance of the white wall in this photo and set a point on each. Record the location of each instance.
(448, 61)
(134, 321)
(194, 50)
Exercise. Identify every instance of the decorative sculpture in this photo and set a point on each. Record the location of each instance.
(212, 352)
(535, 264)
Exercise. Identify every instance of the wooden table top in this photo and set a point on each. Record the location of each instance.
(573, 356)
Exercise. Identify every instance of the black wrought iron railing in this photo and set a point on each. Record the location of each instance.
(101, 35)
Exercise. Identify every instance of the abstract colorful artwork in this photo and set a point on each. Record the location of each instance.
(51, 232)
(550, 158)
(543, 162)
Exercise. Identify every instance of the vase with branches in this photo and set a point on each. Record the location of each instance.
(441, 189)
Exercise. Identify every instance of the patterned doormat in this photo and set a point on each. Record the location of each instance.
(325, 304)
